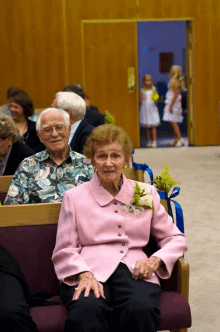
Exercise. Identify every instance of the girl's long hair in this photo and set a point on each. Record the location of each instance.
(176, 78)
(149, 76)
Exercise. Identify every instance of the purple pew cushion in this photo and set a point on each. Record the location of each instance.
(32, 247)
(2, 197)
(174, 309)
(50, 319)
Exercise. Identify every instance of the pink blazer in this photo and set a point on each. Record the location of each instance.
(94, 233)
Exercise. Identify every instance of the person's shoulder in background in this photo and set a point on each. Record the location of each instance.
(18, 153)
(94, 118)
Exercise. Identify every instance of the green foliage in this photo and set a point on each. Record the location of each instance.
(109, 118)
(165, 181)
(138, 194)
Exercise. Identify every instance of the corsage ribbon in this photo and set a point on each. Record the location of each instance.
(178, 209)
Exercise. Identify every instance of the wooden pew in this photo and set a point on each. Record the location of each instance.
(28, 231)
(5, 182)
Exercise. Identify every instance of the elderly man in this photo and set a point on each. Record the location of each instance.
(47, 175)
(75, 106)
(92, 115)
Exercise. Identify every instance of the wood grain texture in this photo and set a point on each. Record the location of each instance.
(29, 214)
(109, 50)
(5, 182)
(41, 44)
(33, 42)
(214, 110)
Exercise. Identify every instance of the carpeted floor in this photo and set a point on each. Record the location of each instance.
(197, 169)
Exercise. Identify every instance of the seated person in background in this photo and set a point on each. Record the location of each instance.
(92, 116)
(12, 151)
(12, 92)
(47, 175)
(75, 106)
(99, 239)
(21, 107)
(88, 106)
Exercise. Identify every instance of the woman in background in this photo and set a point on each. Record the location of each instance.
(21, 107)
(173, 106)
(12, 150)
(149, 115)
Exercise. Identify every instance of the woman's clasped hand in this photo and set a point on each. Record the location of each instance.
(144, 268)
(88, 282)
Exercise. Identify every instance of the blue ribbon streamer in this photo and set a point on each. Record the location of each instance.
(142, 167)
(178, 209)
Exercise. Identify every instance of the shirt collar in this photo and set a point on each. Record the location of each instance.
(103, 197)
(44, 155)
(73, 129)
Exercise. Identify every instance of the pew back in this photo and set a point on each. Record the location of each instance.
(5, 182)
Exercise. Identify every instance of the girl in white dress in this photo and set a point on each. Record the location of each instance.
(149, 115)
(173, 106)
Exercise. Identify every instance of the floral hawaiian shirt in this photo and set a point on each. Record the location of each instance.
(39, 180)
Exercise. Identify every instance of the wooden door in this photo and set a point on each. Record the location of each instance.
(214, 111)
(190, 82)
(109, 50)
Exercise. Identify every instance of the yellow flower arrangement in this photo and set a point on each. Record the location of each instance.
(155, 96)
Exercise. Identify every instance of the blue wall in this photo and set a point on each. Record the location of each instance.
(156, 37)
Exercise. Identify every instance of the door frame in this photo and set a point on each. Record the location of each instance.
(189, 55)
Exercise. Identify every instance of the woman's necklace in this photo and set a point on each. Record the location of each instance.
(22, 129)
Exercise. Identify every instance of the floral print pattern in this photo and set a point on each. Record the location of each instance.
(39, 180)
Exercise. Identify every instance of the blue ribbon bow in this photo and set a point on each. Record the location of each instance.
(178, 209)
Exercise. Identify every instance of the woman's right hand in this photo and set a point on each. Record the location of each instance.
(87, 282)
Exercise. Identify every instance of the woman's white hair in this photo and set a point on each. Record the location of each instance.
(53, 110)
(71, 101)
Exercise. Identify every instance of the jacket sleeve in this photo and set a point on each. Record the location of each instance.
(18, 190)
(66, 255)
(171, 242)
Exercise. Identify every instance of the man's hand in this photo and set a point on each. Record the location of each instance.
(87, 282)
(145, 267)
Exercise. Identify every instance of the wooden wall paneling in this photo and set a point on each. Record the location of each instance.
(159, 9)
(33, 57)
(214, 110)
(109, 49)
(48, 50)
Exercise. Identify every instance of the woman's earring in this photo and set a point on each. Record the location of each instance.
(124, 166)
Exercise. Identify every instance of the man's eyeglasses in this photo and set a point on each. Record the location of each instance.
(60, 129)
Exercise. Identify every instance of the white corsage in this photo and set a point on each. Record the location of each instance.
(141, 200)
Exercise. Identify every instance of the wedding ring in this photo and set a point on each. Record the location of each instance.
(76, 288)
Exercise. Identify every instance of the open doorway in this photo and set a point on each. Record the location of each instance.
(160, 45)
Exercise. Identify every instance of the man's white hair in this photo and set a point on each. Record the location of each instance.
(71, 101)
(52, 110)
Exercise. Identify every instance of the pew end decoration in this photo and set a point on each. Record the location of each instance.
(164, 182)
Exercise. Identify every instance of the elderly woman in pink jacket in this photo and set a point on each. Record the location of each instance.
(105, 277)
